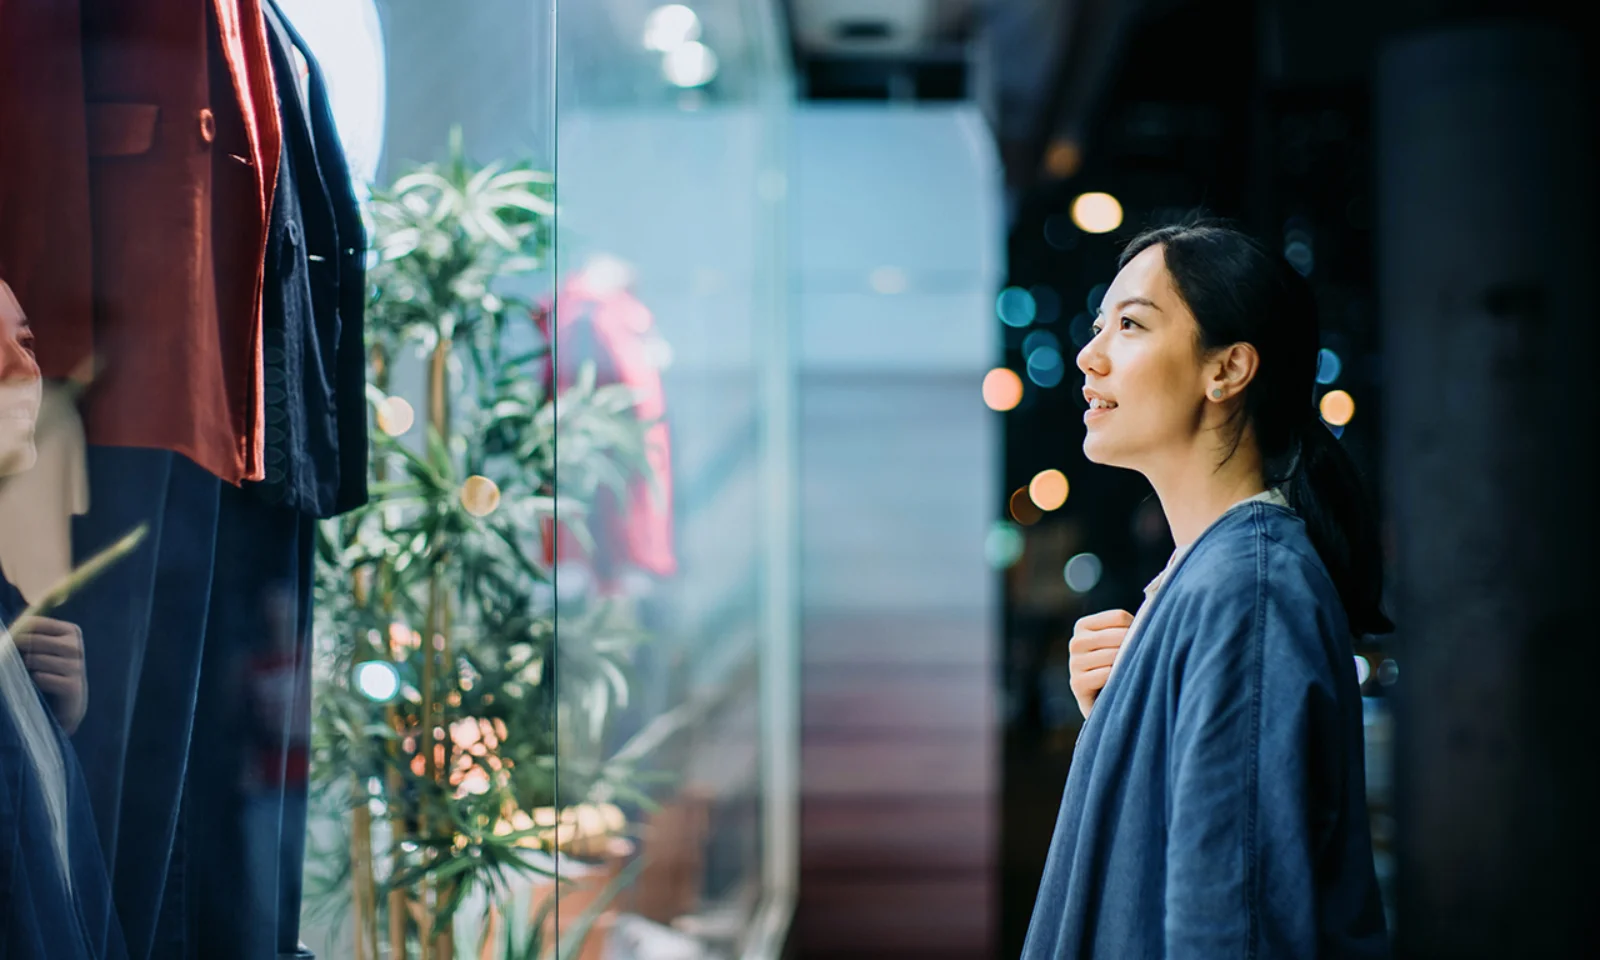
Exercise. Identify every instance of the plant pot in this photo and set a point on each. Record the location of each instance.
(585, 883)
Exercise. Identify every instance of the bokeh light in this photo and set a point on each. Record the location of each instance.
(1096, 212)
(669, 27)
(377, 680)
(1038, 339)
(1003, 546)
(1059, 232)
(690, 65)
(1388, 672)
(1097, 293)
(1062, 158)
(1002, 389)
(480, 495)
(1328, 366)
(1081, 330)
(1298, 253)
(1363, 670)
(395, 416)
(1083, 572)
(1045, 367)
(1048, 489)
(1023, 509)
(1015, 307)
(1337, 407)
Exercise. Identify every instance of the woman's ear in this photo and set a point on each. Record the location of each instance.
(1232, 369)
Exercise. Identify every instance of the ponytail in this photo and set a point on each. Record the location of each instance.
(1326, 490)
(1240, 292)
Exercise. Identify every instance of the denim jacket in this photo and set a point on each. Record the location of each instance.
(42, 917)
(1216, 805)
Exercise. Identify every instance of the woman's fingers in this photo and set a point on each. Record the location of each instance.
(1087, 640)
(52, 645)
(43, 663)
(1092, 660)
(1104, 619)
(1089, 682)
(54, 685)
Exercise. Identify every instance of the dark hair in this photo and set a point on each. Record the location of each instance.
(1241, 293)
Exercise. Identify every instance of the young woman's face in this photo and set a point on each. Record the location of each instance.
(1142, 370)
(19, 388)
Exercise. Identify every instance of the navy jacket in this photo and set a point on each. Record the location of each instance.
(40, 919)
(314, 365)
(1216, 805)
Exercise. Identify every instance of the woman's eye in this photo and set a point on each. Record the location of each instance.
(1095, 330)
(1127, 322)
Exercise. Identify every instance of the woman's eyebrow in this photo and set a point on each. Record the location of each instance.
(1131, 301)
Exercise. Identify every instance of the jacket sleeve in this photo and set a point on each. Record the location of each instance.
(1239, 850)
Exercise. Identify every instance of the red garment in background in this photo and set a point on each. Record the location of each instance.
(612, 329)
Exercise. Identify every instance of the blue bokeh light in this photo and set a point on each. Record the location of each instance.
(1003, 546)
(1083, 572)
(1040, 339)
(1328, 366)
(1045, 367)
(1015, 307)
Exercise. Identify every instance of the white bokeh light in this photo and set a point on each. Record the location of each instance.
(691, 65)
(670, 27)
(377, 680)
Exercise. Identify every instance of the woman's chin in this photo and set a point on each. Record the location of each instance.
(1094, 450)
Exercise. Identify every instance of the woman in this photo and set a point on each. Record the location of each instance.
(55, 898)
(1216, 805)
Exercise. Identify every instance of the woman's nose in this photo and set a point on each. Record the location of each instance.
(1090, 358)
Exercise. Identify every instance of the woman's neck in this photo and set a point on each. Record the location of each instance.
(1194, 492)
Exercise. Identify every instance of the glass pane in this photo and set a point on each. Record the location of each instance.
(433, 740)
(668, 343)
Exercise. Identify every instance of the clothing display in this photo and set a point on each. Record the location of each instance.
(148, 193)
(1184, 827)
(599, 321)
(181, 230)
(314, 359)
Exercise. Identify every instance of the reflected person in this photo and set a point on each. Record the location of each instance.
(1216, 805)
(55, 898)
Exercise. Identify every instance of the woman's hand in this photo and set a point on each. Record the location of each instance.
(52, 650)
(1095, 641)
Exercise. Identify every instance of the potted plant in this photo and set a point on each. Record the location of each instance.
(443, 699)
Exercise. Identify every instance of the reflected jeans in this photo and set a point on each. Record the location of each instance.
(175, 736)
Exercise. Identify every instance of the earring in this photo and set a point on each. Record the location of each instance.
(1216, 394)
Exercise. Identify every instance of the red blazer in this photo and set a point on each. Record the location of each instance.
(133, 212)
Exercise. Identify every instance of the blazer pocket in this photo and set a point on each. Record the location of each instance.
(122, 129)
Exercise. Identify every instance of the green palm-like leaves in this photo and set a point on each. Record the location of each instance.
(456, 250)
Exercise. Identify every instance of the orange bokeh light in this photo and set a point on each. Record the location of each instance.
(1002, 389)
(1338, 407)
(1048, 489)
(1023, 509)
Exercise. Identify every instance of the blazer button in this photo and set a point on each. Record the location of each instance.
(208, 125)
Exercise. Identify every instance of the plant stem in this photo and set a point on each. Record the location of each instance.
(363, 896)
